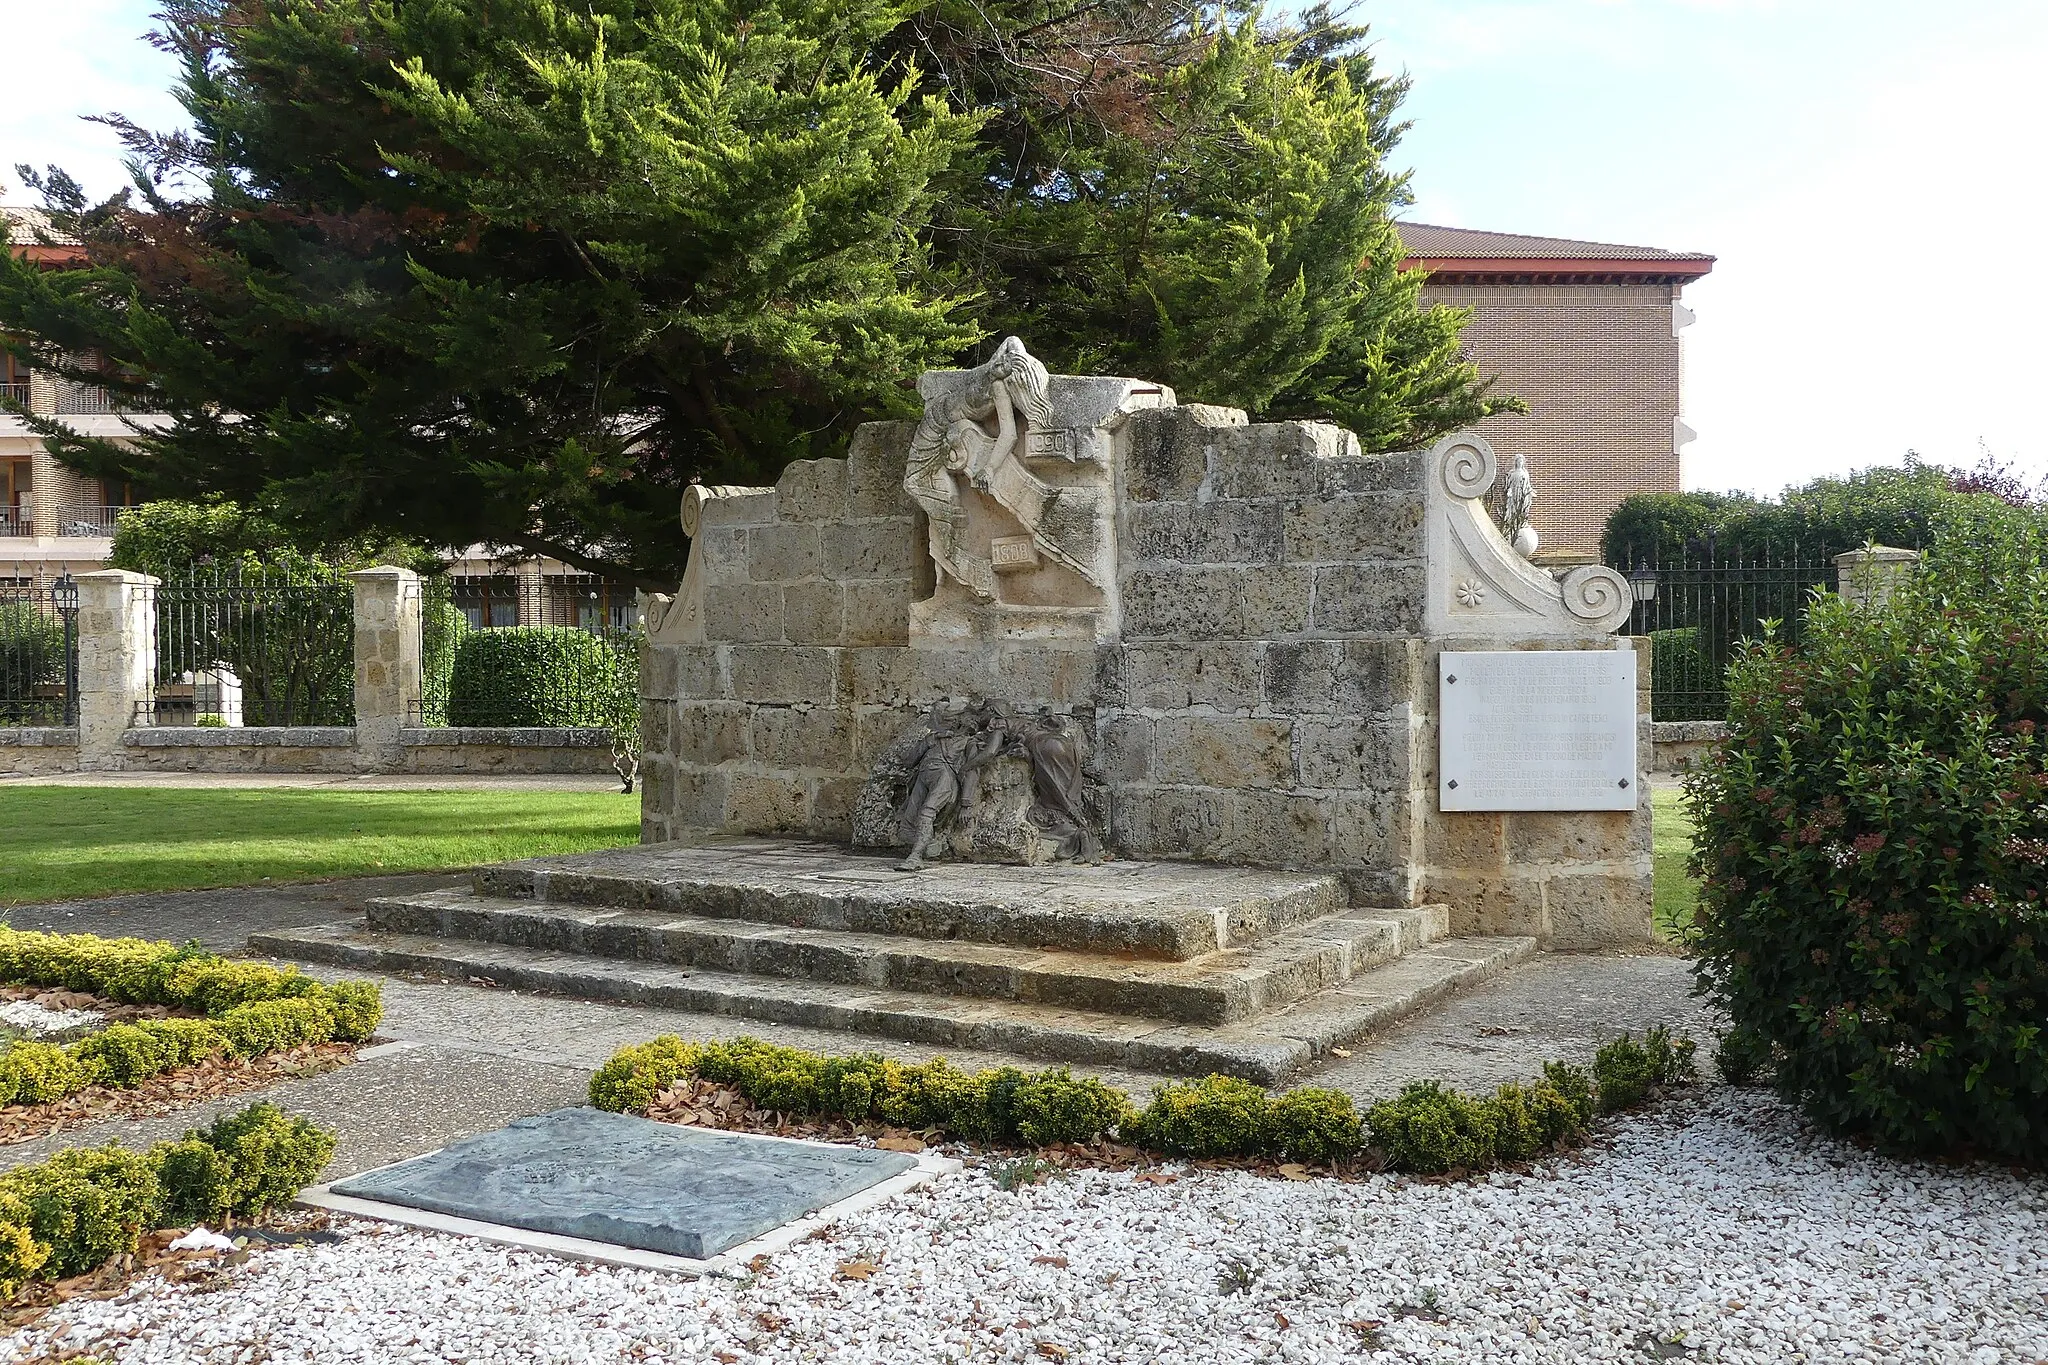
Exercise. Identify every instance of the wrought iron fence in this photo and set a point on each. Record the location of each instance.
(240, 648)
(1696, 608)
(38, 653)
(520, 650)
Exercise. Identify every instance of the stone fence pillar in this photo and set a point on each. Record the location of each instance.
(116, 661)
(1867, 576)
(388, 678)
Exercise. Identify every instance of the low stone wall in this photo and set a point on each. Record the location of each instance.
(240, 749)
(506, 749)
(535, 751)
(38, 751)
(1675, 744)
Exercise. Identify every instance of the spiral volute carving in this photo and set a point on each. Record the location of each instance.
(1596, 593)
(697, 494)
(1469, 468)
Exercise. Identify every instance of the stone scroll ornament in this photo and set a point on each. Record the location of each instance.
(973, 434)
(982, 785)
(1483, 585)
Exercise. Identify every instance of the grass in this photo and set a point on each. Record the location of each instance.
(60, 843)
(1670, 842)
(63, 843)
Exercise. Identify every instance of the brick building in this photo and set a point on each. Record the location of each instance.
(1588, 334)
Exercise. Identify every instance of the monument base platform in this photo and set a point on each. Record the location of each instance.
(1170, 967)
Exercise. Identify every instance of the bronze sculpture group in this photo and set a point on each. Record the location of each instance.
(945, 779)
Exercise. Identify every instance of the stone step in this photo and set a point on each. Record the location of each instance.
(1160, 910)
(1269, 1050)
(1217, 988)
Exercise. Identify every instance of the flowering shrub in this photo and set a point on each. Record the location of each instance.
(1873, 839)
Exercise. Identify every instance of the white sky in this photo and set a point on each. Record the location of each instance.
(1869, 172)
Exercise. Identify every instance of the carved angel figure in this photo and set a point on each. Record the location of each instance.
(954, 439)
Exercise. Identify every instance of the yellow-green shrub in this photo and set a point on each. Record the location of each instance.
(269, 1025)
(86, 1205)
(35, 1073)
(1426, 1128)
(1310, 1123)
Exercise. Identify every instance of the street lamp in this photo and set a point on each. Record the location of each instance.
(64, 596)
(1642, 581)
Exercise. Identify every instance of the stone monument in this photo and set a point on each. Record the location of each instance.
(1238, 623)
(1077, 722)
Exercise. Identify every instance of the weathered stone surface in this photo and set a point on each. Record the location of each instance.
(630, 1181)
(814, 613)
(1336, 529)
(997, 827)
(1382, 599)
(743, 612)
(812, 490)
(1223, 751)
(783, 553)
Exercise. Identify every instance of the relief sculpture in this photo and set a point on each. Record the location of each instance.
(981, 784)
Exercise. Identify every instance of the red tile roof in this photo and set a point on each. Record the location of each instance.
(1468, 252)
(28, 233)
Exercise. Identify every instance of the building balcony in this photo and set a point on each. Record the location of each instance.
(13, 527)
(14, 391)
(87, 519)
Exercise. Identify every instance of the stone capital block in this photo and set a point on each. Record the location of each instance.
(116, 661)
(1867, 576)
(389, 678)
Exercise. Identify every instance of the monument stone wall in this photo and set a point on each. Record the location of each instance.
(1257, 675)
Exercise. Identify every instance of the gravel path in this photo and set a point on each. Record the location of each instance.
(1716, 1229)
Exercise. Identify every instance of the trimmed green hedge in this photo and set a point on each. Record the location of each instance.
(252, 1009)
(536, 675)
(1424, 1129)
(82, 1207)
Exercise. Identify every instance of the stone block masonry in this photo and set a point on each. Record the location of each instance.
(1264, 696)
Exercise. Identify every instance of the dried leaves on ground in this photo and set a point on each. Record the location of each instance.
(113, 1011)
(213, 1079)
(201, 1270)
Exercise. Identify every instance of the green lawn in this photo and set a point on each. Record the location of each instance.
(1671, 840)
(62, 842)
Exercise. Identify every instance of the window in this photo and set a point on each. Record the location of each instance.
(17, 497)
(13, 379)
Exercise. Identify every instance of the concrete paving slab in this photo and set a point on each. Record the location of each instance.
(629, 1181)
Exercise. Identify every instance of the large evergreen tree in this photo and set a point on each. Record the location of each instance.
(1207, 201)
(505, 271)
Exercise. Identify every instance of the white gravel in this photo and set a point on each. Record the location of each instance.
(40, 1021)
(1717, 1224)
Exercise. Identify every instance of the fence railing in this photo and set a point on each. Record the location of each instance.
(83, 400)
(14, 391)
(38, 657)
(1698, 608)
(236, 648)
(87, 519)
(14, 523)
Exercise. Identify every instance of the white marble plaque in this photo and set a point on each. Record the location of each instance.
(1539, 729)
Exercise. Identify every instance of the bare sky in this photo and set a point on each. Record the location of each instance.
(1869, 172)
